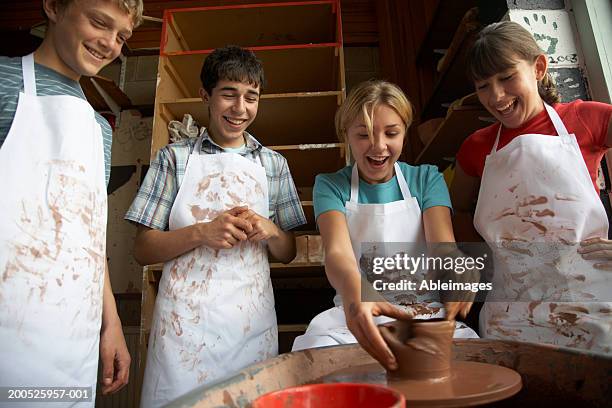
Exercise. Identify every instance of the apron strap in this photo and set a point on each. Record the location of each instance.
(559, 125)
(29, 77)
(354, 185)
(554, 118)
(494, 149)
(398, 175)
(402, 182)
(197, 149)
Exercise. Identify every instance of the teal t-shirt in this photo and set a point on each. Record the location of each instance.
(332, 190)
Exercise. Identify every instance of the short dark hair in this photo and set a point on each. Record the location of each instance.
(231, 63)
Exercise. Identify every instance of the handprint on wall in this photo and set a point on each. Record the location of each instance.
(540, 28)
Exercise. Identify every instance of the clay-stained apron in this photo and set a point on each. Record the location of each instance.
(52, 242)
(536, 203)
(214, 312)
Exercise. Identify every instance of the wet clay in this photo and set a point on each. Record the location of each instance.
(422, 348)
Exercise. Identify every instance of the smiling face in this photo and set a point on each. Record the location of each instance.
(376, 155)
(232, 108)
(512, 96)
(85, 36)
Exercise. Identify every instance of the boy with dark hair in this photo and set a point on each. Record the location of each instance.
(209, 208)
(57, 310)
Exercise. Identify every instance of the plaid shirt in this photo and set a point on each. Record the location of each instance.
(154, 200)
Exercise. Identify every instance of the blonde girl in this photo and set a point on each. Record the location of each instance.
(377, 199)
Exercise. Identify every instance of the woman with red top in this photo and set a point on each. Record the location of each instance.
(534, 176)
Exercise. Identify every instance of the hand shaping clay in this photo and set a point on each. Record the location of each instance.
(422, 348)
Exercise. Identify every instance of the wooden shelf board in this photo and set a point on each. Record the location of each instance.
(288, 328)
(279, 265)
(307, 146)
(281, 121)
(299, 70)
(337, 94)
(311, 232)
(305, 193)
(255, 25)
(306, 164)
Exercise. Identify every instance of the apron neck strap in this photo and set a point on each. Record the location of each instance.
(398, 175)
(29, 77)
(494, 149)
(402, 182)
(197, 150)
(355, 184)
(554, 118)
(199, 142)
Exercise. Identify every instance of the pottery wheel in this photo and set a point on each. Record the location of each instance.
(469, 384)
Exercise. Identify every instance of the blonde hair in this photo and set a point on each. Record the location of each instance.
(497, 48)
(133, 7)
(364, 98)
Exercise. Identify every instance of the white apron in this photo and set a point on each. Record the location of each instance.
(536, 190)
(52, 243)
(214, 312)
(398, 221)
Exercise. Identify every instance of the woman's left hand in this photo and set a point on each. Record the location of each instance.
(598, 249)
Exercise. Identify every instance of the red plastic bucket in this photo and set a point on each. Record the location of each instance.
(334, 395)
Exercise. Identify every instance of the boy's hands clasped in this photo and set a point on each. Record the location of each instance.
(235, 225)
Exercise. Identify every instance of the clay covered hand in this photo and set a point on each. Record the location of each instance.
(227, 229)
(598, 249)
(360, 321)
(263, 228)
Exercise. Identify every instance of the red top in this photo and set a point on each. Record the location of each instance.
(587, 120)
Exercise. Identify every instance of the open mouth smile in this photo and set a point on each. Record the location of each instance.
(234, 122)
(94, 53)
(508, 108)
(377, 161)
